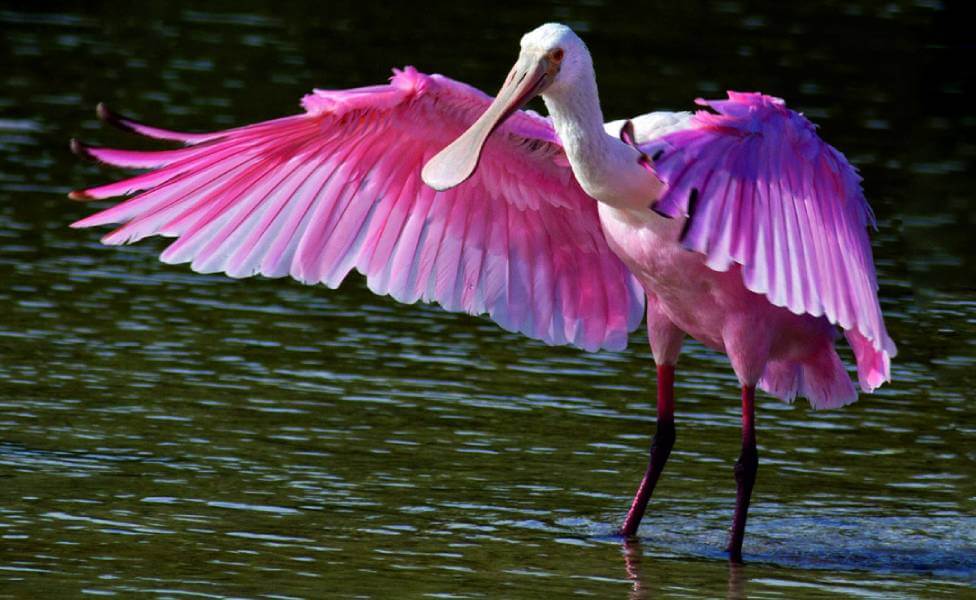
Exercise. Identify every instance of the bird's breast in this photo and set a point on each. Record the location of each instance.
(696, 298)
(704, 303)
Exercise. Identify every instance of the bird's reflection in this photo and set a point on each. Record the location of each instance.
(632, 564)
(736, 589)
(634, 556)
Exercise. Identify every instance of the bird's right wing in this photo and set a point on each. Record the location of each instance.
(317, 194)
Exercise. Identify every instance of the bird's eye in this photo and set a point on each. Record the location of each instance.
(556, 55)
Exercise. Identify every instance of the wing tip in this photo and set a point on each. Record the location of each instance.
(873, 358)
(110, 117)
(81, 150)
(80, 196)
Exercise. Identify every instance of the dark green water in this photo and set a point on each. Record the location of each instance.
(169, 434)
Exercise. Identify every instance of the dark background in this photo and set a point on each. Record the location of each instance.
(162, 430)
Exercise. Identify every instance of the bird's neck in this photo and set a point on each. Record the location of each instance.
(606, 168)
(578, 120)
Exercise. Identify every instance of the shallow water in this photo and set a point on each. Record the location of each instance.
(176, 435)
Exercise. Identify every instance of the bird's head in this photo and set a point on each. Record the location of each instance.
(551, 59)
(559, 52)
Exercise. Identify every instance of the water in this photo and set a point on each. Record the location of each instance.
(169, 434)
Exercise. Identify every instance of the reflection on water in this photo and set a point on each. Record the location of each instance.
(173, 434)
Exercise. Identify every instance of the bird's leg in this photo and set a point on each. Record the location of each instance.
(660, 449)
(745, 473)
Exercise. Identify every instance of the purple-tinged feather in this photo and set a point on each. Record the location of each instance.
(791, 212)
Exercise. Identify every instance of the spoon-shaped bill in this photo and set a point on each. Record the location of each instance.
(455, 163)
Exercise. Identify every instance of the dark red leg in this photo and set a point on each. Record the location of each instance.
(745, 473)
(661, 446)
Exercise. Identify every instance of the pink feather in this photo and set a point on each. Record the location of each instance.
(792, 214)
(316, 194)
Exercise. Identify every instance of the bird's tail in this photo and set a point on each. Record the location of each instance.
(821, 379)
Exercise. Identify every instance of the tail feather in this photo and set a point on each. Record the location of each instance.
(821, 379)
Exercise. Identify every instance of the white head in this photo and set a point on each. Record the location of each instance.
(560, 45)
(553, 60)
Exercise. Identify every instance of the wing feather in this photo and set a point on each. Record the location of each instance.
(772, 197)
(317, 194)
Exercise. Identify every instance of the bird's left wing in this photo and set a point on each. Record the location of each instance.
(758, 188)
(317, 194)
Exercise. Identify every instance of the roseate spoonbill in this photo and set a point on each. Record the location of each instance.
(739, 227)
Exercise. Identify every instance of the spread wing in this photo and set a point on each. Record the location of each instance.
(338, 187)
(760, 189)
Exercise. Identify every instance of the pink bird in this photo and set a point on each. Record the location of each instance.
(739, 227)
